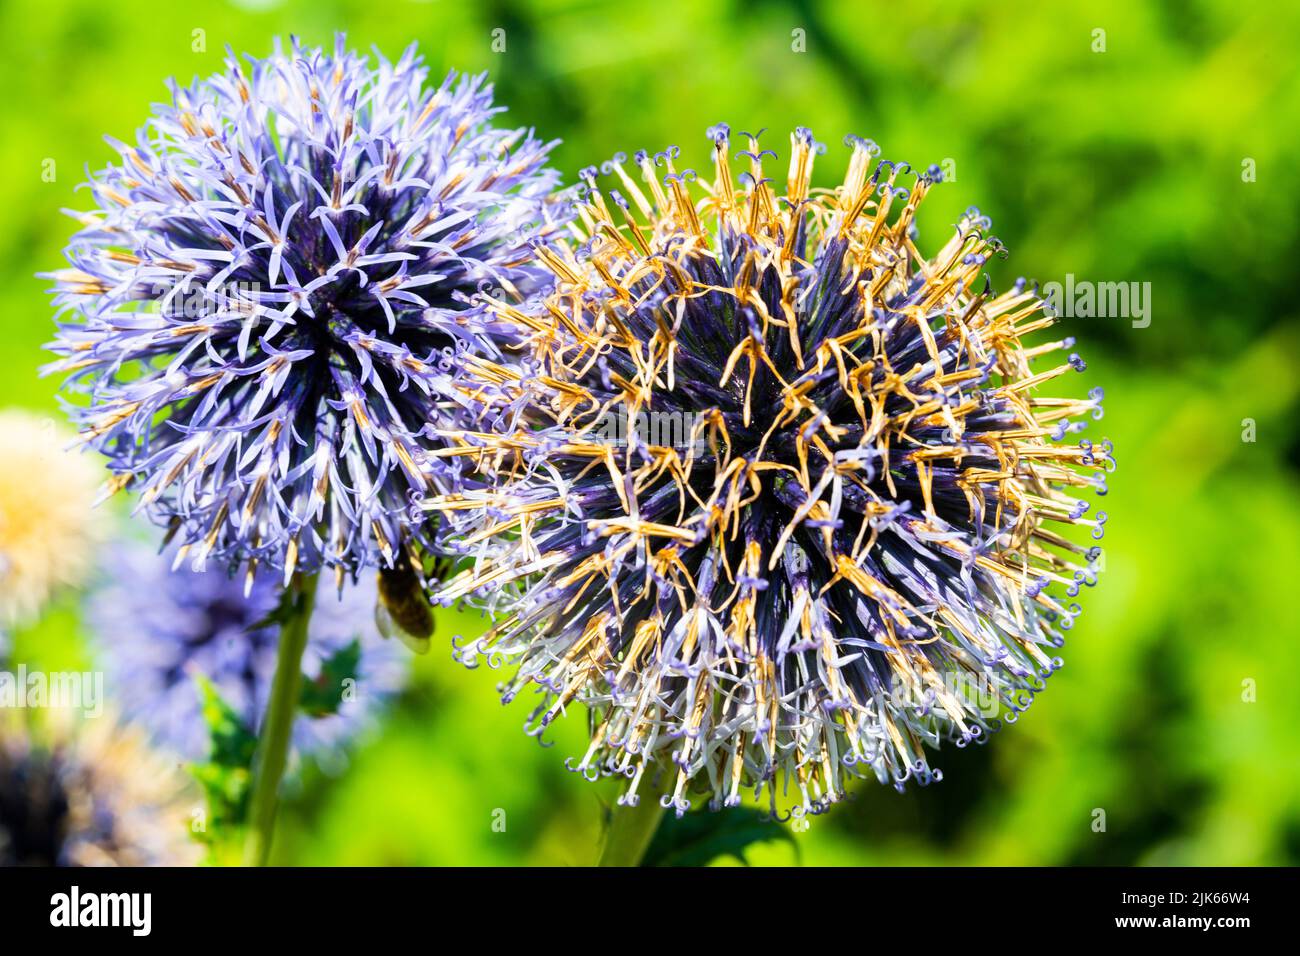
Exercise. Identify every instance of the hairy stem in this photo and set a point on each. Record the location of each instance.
(630, 831)
(277, 727)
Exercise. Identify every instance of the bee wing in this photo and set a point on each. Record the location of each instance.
(390, 628)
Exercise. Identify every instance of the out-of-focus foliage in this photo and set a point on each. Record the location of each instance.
(1122, 165)
(226, 774)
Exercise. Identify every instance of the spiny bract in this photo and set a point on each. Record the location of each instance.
(264, 309)
(778, 497)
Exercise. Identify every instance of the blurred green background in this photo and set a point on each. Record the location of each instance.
(1122, 165)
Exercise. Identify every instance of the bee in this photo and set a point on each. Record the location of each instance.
(403, 610)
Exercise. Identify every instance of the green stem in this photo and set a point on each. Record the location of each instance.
(630, 831)
(277, 727)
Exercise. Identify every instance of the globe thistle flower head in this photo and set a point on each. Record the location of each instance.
(48, 526)
(781, 499)
(159, 628)
(89, 792)
(265, 305)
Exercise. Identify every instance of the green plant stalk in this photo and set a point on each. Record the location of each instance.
(277, 727)
(630, 830)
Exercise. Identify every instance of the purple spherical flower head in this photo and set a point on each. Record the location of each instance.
(159, 628)
(265, 306)
(783, 500)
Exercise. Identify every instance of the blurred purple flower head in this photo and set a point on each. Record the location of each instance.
(263, 309)
(158, 628)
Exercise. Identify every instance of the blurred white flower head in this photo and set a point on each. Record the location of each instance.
(48, 524)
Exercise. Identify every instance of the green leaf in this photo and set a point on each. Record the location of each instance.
(226, 776)
(699, 838)
(232, 741)
(283, 612)
(322, 694)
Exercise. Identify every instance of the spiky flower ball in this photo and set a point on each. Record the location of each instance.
(265, 306)
(89, 792)
(160, 628)
(48, 526)
(781, 499)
